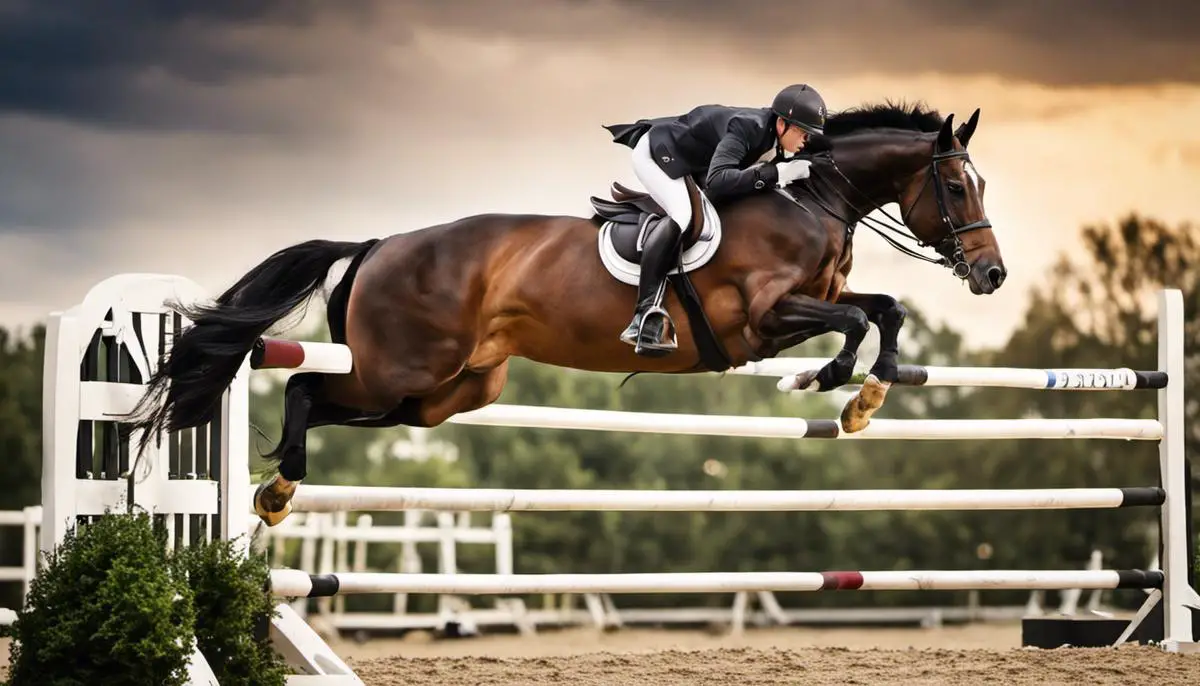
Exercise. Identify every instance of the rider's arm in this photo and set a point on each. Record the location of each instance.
(725, 176)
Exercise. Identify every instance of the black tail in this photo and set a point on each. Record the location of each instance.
(206, 356)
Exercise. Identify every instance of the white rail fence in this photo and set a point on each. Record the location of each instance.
(325, 542)
(329, 543)
(201, 485)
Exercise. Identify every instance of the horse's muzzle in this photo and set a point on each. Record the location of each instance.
(986, 277)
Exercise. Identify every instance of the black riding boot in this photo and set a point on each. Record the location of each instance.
(647, 332)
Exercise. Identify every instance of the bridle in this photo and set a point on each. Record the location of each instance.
(950, 247)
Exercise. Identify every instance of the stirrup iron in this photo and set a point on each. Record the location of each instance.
(650, 348)
(653, 348)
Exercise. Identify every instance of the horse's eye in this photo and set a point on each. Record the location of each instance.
(955, 187)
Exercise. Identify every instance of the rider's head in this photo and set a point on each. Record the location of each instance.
(800, 112)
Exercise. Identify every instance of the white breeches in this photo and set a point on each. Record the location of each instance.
(672, 194)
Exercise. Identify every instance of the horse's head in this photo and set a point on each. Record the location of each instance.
(942, 204)
(876, 155)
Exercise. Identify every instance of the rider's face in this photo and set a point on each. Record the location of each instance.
(793, 139)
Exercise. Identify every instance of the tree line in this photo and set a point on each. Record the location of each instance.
(1095, 309)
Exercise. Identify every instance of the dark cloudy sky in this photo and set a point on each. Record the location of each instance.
(196, 137)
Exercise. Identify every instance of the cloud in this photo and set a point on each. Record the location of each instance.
(198, 138)
(1066, 42)
(141, 64)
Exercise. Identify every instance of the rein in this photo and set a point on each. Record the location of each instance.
(949, 247)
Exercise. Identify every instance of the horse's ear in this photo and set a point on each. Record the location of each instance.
(964, 132)
(945, 140)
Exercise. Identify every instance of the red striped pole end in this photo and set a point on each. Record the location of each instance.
(277, 353)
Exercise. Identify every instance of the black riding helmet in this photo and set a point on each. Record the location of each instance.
(801, 106)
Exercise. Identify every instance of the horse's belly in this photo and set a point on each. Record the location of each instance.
(556, 304)
(583, 332)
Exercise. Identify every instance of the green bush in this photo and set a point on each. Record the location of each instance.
(232, 613)
(106, 609)
(112, 606)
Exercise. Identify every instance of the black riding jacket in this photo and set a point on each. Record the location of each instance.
(717, 145)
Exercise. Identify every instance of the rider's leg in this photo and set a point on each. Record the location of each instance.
(659, 249)
(649, 333)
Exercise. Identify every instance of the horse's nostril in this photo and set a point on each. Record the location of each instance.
(996, 276)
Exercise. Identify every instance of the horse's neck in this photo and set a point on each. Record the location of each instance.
(873, 167)
(828, 192)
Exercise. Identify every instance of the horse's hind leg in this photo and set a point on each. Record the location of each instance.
(272, 499)
(470, 390)
(411, 340)
(306, 408)
(303, 408)
(308, 404)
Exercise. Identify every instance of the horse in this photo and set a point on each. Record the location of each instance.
(432, 316)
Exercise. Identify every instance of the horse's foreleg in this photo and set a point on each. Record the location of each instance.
(796, 318)
(887, 314)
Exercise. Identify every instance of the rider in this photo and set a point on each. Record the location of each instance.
(729, 150)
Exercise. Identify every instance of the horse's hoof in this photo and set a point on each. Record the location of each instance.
(857, 413)
(273, 500)
(272, 518)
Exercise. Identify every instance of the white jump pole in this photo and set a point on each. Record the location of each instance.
(295, 583)
(530, 416)
(311, 498)
(1075, 379)
(333, 358)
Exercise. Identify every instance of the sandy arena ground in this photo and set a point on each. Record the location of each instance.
(959, 655)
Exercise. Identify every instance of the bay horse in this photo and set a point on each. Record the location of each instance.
(432, 316)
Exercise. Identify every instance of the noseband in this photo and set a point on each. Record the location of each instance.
(950, 247)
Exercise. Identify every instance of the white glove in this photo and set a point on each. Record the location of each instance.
(792, 170)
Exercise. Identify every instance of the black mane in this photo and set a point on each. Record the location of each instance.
(889, 115)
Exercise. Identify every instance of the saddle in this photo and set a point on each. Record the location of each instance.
(630, 217)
